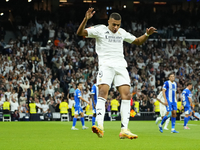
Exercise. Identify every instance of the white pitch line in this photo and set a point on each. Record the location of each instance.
(187, 124)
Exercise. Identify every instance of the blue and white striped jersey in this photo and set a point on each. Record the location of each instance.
(170, 92)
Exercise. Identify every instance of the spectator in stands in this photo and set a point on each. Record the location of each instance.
(114, 106)
(45, 108)
(1, 103)
(14, 105)
(16, 116)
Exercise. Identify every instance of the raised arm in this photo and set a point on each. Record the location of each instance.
(81, 29)
(140, 40)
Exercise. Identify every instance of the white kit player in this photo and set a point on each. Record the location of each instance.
(163, 110)
(112, 66)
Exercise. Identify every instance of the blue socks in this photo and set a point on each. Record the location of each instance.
(74, 121)
(188, 118)
(93, 121)
(83, 121)
(173, 120)
(163, 120)
(185, 121)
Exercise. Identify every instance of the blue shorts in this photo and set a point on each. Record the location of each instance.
(78, 110)
(171, 106)
(187, 110)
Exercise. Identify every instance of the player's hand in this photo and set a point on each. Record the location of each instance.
(89, 13)
(151, 30)
(166, 103)
(181, 108)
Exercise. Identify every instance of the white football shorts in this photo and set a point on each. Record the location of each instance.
(117, 75)
(163, 111)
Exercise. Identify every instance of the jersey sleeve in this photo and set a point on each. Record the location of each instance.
(129, 37)
(93, 90)
(159, 96)
(165, 86)
(93, 32)
(189, 94)
(79, 93)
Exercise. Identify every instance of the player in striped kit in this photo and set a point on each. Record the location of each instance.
(169, 94)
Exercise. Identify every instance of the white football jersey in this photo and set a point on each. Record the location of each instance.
(160, 97)
(109, 45)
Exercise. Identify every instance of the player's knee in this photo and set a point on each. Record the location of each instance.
(103, 93)
(94, 115)
(169, 115)
(126, 96)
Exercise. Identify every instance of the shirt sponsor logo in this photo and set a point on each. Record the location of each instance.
(114, 39)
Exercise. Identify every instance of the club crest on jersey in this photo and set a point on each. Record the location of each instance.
(100, 74)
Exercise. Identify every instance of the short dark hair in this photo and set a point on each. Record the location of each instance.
(189, 83)
(78, 84)
(172, 73)
(115, 16)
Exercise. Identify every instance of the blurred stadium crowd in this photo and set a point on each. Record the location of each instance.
(47, 60)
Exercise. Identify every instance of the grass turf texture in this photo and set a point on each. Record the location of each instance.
(59, 136)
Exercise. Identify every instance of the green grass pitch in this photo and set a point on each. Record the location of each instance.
(59, 136)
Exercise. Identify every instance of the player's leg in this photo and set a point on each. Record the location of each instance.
(161, 116)
(188, 113)
(168, 115)
(173, 118)
(124, 91)
(167, 121)
(94, 117)
(75, 118)
(104, 81)
(125, 112)
(158, 119)
(100, 107)
(186, 120)
(83, 119)
(122, 82)
(100, 110)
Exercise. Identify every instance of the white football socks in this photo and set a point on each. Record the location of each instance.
(167, 122)
(100, 110)
(158, 119)
(125, 113)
